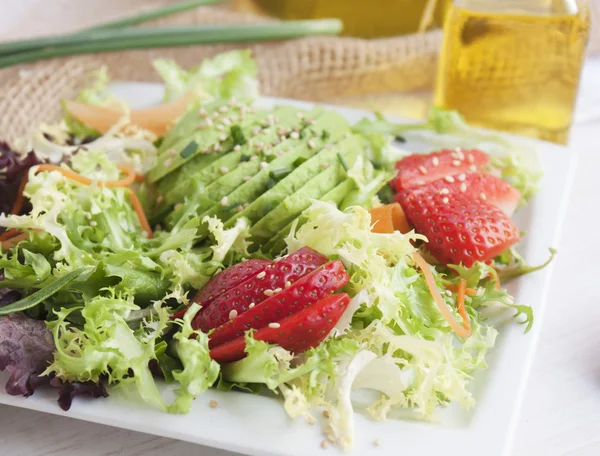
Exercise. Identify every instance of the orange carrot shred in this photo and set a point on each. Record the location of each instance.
(460, 304)
(8, 234)
(437, 297)
(468, 291)
(139, 210)
(20, 199)
(389, 218)
(139, 178)
(13, 240)
(496, 280)
(87, 181)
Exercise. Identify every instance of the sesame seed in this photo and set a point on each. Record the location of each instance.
(377, 442)
(445, 200)
(460, 154)
(269, 292)
(253, 158)
(282, 138)
(168, 162)
(310, 420)
(251, 305)
(172, 153)
(237, 147)
(261, 275)
(473, 168)
(144, 234)
(294, 135)
(324, 165)
(277, 290)
(178, 206)
(470, 158)
(220, 127)
(216, 147)
(209, 122)
(213, 404)
(274, 325)
(444, 191)
(89, 216)
(463, 187)
(263, 165)
(224, 169)
(222, 138)
(422, 169)
(224, 201)
(299, 115)
(288, 284)
(233, 314)
(420, 182)
(233, 101)
(215, 115)
(226, 121)
(205, 150)
(455, 162)
(449, 179)
(239, 208)
(159, 199)
(324, 444)
(234, 117)
(326, 413)
(246, 178)
(461, 177)
(435, 161)
(311, 144)
(223, 109)
(482, 196)
(202, 112)
(93, 223)
(448, 293)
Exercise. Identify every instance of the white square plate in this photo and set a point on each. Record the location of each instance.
(258, 425)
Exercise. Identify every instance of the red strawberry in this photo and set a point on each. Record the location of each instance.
(239, 297)
(482, 186)
(304, 292)
(296, 333)
(461, 228)
(418, 169)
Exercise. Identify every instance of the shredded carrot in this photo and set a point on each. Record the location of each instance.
(8, 234)
(437, 297)
(496, 280)
(388, 218)
(139, 210)
(13, 240)
(20, 199)
(460, 304)
(138, 178)
(87, 181)
(468, 291)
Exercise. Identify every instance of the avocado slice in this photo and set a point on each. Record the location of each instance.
(206, 172)
(293, 205)
(251, 190)
(276, 244)
(295, 180)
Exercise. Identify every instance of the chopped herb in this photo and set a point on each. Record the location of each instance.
(303, 134)
(399, 138)
(342, 161)
(271, 183)
(238, 135)
(298, 161)
(325, 135)
(245, 158)
(280, 173)
(189, 150)
(231, 206)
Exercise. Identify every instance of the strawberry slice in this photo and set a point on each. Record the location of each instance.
(486, 187)
(304, 292)
(296, 333)
(461, 227)
(237, 299)
(418, 169)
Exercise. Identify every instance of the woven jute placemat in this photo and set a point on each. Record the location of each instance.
(315, 68)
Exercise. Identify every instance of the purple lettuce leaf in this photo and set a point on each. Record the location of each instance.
(13, 167)
(69, 391)
(26, 347)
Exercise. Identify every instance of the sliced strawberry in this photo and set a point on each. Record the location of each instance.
(461, 228)
(230, 278)
(482, 186)
(252, 290)
(296, 333)
(304, 292)
(418, 169)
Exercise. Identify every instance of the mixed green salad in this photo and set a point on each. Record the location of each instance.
(212, 242)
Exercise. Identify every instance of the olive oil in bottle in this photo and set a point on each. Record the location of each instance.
(514, 65)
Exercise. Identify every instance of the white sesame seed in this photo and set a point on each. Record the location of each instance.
(311, 144)
(444, 191)
(202, 112)
(455, 162)
(226, 121)
(461, 177)
(222, 138)
(277, 290)
(89, 216)
(445, 200)
(324, 444)
(420, 182)
(253, 158)
(205, 150)
(470, 158)
(294, 135)
(448, 293)
(223, 109)
(172, 153)
(209, 122)
(435, 161)
(377, 442)
(168, 162)
(269, 292)
(324, 165)
(239, 208)
(233, 314)
(282, 138)
(233, 101)
(246, 178)
(482, 196)
(310, 420)
(261, 275)
(463, 187)
(263, 165)
(215, 115)
(237, 147)
(224, 201)
(220, 127)
(93, 223)
(213, 404)
(422, 169)
(224, 169)
(460, 154)
(274, 325)
(233, 117)
(449, 179)
(251, 305)
(288, 284)
(299, 115)
(473, 168)
(159, 199)
(216, 147)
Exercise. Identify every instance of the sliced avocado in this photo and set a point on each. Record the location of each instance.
(294, 204)
(207, 173)
(249, 192)
(277, 243)
(295, 180)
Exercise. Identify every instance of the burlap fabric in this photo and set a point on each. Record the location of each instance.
(315, 68)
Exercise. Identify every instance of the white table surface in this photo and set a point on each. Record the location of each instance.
(561, 411)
